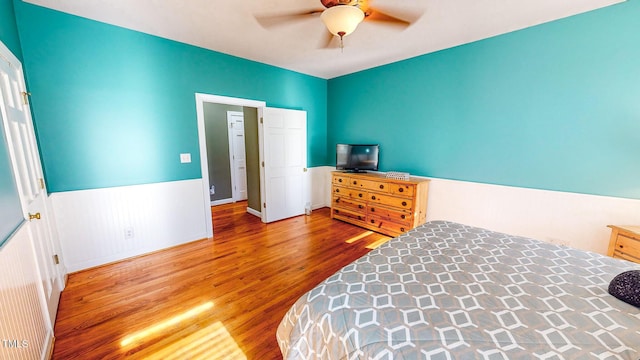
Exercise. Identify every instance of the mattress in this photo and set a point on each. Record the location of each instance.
(451, 291)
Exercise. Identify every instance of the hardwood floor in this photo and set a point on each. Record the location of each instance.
(210, 299)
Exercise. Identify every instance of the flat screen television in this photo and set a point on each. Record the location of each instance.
(357, 157)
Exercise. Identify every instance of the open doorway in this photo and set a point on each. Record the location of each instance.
(282, 187)
(231, 133)
(217, 107)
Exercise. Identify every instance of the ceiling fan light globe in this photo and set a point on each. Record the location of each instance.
(342, 20)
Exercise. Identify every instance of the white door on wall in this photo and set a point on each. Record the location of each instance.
(23, 151)
(237, 155)
(284, 180)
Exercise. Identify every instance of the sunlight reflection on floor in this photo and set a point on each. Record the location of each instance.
(211, 342)
(383, 239)
(358, 237)
(159, 327)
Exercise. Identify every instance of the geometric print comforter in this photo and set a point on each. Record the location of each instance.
(450, 291)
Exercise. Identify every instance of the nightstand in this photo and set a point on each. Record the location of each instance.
(625, 243)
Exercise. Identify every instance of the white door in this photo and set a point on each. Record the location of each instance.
(237, 155)
(283, 145)
(23, 150)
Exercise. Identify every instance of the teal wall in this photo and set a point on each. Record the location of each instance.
(116, 107)
(556, 106)
(552, 107)
(10, 208)
(8, 30)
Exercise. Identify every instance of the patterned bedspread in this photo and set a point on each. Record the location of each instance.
(451, 291)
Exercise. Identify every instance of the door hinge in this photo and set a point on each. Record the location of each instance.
(41, 183)
(25, 100)
(264, 205)
(261, 120)
(263, 164)
(56, 259)
(304, 169)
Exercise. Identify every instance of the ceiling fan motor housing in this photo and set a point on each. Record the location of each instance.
(331, 3)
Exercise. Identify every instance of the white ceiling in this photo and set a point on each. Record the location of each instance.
(231, 27)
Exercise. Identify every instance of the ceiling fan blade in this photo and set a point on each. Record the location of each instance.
(267, 21)
(374, 14)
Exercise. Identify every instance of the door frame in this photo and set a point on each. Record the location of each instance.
(201, 99)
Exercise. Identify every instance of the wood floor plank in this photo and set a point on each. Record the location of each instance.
(209, 299)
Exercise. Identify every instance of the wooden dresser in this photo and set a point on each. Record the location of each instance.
(625, 243)
(374, 202)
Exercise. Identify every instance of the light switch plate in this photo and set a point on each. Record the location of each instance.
(185, 158)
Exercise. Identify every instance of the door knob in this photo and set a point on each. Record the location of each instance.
(34, 216)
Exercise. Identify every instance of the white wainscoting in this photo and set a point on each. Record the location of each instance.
(26, 332)
(320, 186)
(100, 226)
(575, 220)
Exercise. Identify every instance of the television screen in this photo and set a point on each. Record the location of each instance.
(355, 157)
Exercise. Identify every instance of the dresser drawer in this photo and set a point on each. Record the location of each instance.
(386, 225)
(378, 186)
(395, 215)
(351, 193)
(352, 216)
(402, 189)
(392, 201)
(627, 245)
(349, 204)
(340, 180)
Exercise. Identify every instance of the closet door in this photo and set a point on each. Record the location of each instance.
(23, 151)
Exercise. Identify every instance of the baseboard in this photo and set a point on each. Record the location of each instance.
(254, 212)
(221, 202)
(150, 252)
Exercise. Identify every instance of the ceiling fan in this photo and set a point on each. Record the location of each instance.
(341, 17)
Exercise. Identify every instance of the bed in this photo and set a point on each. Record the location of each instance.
(451, 291)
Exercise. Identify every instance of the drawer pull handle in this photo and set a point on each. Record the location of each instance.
(337, 200)
(360, 195)
(373, 209)
(373, 221)
(337, 190)
(359, 217)
(360, 206)
(381, 186)
(400, 190)
(354, 182)
(402, 229)
(339, 180)
(336, 211)
(373, 197)
(403, 217)
(404, 203)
